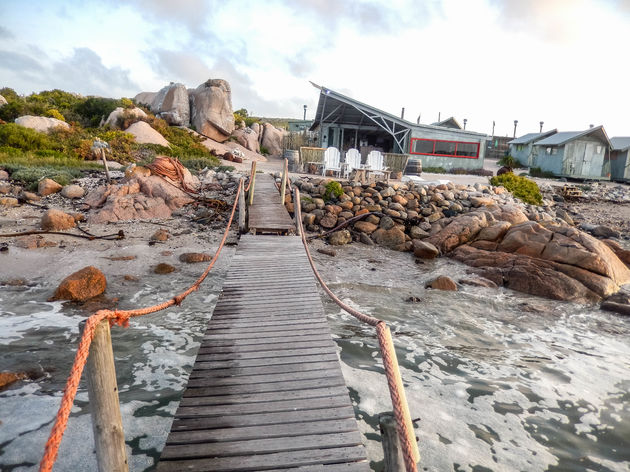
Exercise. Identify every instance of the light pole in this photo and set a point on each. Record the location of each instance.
(465, 121)
(515, 123)
(493, 129)
(541, 125)
(304, 119)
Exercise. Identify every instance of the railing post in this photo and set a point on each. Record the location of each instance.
(109, 436)
(283, 186)
(250, 195)
(297, 211)
(392, 451)
(241, 207)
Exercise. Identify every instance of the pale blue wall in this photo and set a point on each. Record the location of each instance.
(620, 165)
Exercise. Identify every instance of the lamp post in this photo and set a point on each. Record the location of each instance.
(304, 119)
(465, 121)
(515, 123)
(541, 125)
(493, 123)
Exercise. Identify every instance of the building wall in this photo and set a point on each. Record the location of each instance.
(524, 156)
(548, 162)
(578, 158)
(448, 163)
(620, 165)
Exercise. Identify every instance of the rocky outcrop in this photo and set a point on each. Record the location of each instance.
(41, 123)
(211, 109)
(459, 231)
(272, 139)
(81, 285)
(144, 134)
(247, 138)
(172, 105)
(3, 101)
(145, 98)
(442, 283)
(114, 117)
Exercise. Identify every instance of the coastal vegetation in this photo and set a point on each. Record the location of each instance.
(521, 187)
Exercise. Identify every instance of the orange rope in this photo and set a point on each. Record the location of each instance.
(390, 362)
(173, 169)
(120, 317)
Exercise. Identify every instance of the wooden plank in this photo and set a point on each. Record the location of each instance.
(264, 363)
(274, 460)
(282, 386)
(202, 380)
(258, 397)
(267, 354)
(269, 369)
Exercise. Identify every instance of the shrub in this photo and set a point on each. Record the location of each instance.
(461, 171)
(264, 150)
(434, 170)
(26, 139)
(333, 189)
(538, 172)
(509, 161)
(93, 109)
(53, 113)
(126, 103)
(522, 188)
(199, 163)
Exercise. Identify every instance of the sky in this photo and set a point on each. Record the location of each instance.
(557, 61)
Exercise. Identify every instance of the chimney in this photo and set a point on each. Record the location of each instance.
(402, 113)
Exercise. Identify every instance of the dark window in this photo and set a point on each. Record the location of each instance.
(445, 148)
(423, 146)
(467, 149)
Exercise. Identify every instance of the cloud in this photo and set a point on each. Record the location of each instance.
(20, 62)
(180, 66)
(189, 13)
(5, 33)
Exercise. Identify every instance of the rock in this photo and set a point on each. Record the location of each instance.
(386, 223)
(145, 98)
(328, 252)
(172, 105)
(424, 250)
(272, 139)
(365, 227)
(144, 134)
(622, 309)
(114, 117)
(41, 123)
(509, 213)
(494, 232)
(72, 191)
(339, 238)
(365, 239)
(131, 278)
(621, 253)
(57, 220)
(478, 282)
(391, 238)
(5, 187)
(3, 101)
(211, 109)
(163, 268)
(415, 232)
(328, 221)
(481, 201)
(161, 235)
(4, 175)
(9, 202)
(7, 378)
(563, 215)
(461, 230)
(47, 187)
(34, 242)
(30, 196)
(81, 285)
(193, 257)
(442, 283)
(604, 232)
(247, 138)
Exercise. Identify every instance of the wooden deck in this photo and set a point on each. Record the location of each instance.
(266, 391)
(267, 213)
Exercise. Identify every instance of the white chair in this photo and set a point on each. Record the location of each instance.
(331, 161)
(375, 165)
(353, 161)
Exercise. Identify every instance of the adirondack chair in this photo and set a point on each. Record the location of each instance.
(375, 165)
(331, 161)
(353, 161)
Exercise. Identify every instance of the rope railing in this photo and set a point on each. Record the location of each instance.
(121, 318)
(404, 425)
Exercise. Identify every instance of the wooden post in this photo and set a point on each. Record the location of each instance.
(241, 207)
(283, 185)
(109, 436)
(297, 211)
(250, 199)
(392, 452)
(105, 164)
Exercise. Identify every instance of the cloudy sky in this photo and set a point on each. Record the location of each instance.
(564, 62)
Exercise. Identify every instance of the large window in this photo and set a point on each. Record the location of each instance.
(435, 147)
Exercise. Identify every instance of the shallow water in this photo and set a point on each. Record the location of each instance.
(499, 380)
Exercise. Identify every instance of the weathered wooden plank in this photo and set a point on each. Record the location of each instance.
(267, 369)
(281, 386)
(264, 363)
(259, 341)
(271, 353)
(202, 380)
(218, 324)
(360, 466)
(209, 337)
(295, 442)
(300, 325)
(253, 432)
(323, 341)
(274, 460)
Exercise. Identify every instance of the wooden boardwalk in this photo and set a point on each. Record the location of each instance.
(267, 213)
(266, 391)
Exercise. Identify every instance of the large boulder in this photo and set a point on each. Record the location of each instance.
(57, 220)
(247, 138)
(114, 117)
(41, 123)
(461, 230)
(81, 285)
(172, 105)
(144, 134)
(211, 109)
(48, 187)
(3, 101)
(272, 139)
(145, 98)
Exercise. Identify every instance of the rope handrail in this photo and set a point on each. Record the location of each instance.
(121, 318)
(390, 362)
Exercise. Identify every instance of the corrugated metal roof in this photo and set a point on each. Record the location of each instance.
(620, 143)
(529, 137)
(566, 136)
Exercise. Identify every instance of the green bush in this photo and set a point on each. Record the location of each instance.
(93, 109)
(538, 172)
(508, 161)
(26, 139)
(333, 190)
(434, 170)
(522, 188)
(200, 163)
(264, 150)
(54, 113)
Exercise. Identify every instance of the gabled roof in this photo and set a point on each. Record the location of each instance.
(450, 122)
(564, 137)
(620, 143)
(532, 137)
